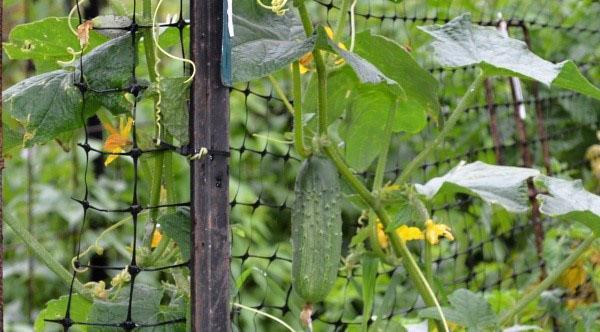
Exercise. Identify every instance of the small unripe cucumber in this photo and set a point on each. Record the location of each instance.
(316, 229)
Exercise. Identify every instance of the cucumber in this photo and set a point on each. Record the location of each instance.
(316, 229)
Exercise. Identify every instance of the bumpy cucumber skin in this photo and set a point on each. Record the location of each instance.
(316, 229)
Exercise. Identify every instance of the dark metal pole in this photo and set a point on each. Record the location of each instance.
(209, 128)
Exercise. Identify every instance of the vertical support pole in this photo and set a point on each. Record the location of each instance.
(539, 113)
(209, 128)
(494, 131)
(527, 158)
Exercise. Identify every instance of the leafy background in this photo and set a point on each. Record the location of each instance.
(494, 251)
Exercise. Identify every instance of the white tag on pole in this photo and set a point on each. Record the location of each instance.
(230, 17)
(516, 82)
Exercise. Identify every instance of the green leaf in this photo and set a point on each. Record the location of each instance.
(365, 71)
(340, 85)
(46, 41)
(467, 309)
(403, 213)
(568, 200)
(460, 43)
(52, 103)
(56, 309)
(396, 63)
(265, 42)
(366, 118)
(174, 97)
(364, 124)
(369, 276)
(502, 185)
(170, 37)
(145, 308)
(177, 226)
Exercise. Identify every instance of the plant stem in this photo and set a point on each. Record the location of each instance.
(295, 109)
(44, 256)
(298, 124)
(448, 126)
(383, 153)
(148, 40)
(304, 17)
(262, 313)
(160, 156)
(554, 275)
(399, 246)
(378, 181)
(322, 86)
(428, 262)
(281, 94)
(342, 20)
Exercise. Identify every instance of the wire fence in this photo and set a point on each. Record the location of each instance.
(492, 251)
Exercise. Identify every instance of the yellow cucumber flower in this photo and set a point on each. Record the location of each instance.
(381, 237)
(405, 233)
(156, 237)
(433, 231)
(117, 140)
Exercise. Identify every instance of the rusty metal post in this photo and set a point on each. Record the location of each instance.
(494, 130)
(209, 128)
(528, 161)
(539, 113)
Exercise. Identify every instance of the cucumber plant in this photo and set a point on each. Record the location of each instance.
(361, 96)
(351, 94)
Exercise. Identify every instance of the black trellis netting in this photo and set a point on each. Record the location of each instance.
(490, 253)
(136, 87)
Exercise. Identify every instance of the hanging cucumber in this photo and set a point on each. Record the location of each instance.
(316, 231)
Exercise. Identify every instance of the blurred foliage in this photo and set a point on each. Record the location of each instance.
(493, 251)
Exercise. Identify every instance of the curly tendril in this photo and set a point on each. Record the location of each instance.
(157, 47)
(277, 6)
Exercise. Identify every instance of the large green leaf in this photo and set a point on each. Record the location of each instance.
(265, 42)
(49, 104)
(145, 308)
(460, 43)
(502, 185)
(365, 70)
(366, 118)
(570, 201)
(46, 41)
(397, 64)
(340, 86)
(174, 96)
(56, 309)
(466, 309)
(364, 124)
(177, 226)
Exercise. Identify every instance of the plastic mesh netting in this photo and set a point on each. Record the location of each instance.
(492, 251)
(132, 315)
